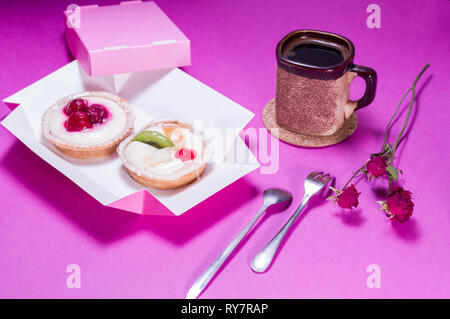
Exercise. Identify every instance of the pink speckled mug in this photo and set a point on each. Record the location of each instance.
(314, 72)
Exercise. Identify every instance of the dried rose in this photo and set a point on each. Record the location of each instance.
(376, 166)
(399, 205)
(348, 198)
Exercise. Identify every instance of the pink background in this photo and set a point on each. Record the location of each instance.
(48, 223)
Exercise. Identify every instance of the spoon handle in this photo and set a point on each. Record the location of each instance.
(264, 258)
(206, 277)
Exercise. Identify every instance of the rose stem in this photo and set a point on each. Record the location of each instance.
(413, 94)
(390, 185)
(353, 176)
(392, 118)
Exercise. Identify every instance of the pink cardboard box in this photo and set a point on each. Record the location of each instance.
(128, 37)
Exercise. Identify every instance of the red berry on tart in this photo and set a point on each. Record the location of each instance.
(97, 113)
(88, 125)
(78, 121)
(75, 105)
(185, 154)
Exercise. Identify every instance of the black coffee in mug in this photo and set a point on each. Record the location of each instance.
(314, 54)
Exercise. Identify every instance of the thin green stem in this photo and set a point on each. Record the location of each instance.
(392, 118)
(390, 185)
(405, 123)
(353, 176)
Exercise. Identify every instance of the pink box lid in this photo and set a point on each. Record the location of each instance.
(128, 37)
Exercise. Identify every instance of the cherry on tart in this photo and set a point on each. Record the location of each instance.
(97, 113)
(78, 121)
(185, 154)
(75, 105)
(88, 125)
(165, 154)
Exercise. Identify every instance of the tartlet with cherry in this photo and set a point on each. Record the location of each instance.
(88, 125)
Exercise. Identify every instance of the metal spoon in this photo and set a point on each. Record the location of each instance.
(271, 197)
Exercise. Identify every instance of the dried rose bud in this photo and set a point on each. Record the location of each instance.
(376, 166)
(348, 198)
(398, 206)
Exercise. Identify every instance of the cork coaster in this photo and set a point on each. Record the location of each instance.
(268, 117)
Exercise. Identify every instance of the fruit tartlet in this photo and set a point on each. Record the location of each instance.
(165, 154)
(88, 125)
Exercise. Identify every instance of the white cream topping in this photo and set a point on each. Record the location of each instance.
(99, 134)
(163, 161)
(183, 137)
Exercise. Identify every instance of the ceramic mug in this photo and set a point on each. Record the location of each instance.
(314, 72)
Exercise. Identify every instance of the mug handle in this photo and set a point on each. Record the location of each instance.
(370, 77)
